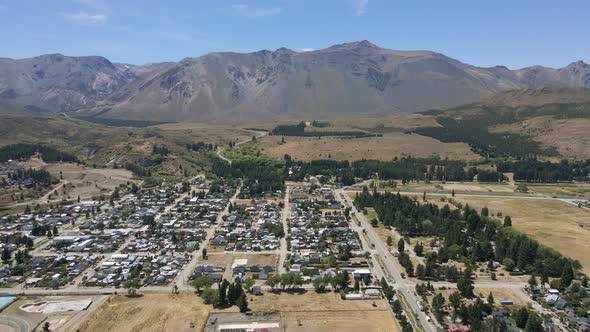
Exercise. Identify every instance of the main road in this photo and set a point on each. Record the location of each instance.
(390, 265)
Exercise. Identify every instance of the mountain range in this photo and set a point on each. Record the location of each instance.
(356, 78)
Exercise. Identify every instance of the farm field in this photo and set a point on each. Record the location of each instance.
(395, 144)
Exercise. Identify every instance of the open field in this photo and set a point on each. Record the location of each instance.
(151, 312)
(203, 132)
(556, 224)
(395, 144)
(449, 187)
(327, 312)
(170, 312)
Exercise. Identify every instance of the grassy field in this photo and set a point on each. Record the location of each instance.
(170, 312)
(556, 224)
(395, 144)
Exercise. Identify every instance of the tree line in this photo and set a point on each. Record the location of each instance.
(533, 170)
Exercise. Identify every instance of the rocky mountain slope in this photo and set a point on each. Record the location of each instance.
(348, 79)
(58, 83)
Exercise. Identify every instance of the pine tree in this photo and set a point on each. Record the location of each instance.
(242, 303)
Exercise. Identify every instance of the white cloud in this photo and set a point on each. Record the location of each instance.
(360, 7)
(307, 49)
(85, 18)
(250, 12)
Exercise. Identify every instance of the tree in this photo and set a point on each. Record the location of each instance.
(419, 249)
(210, 296)
(507, 221)
(567, 275)
(534, 324)
(249, 283)
(242, 303)
(132, 285)
(202, 282)
(389, 241)
(401, 245)
(455, 300)
(46, 327)
(491, 299)
(438, 301)
(6, 256)
(465, 286)
(521, 316)
(55, 232)
(273, 281)
(533, 281)
(204, 253)
(374, 222)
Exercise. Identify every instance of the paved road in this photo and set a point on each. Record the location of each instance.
(390, 264)
(284, 219)
(17, 323)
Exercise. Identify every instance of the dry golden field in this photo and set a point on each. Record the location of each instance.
(391, 145)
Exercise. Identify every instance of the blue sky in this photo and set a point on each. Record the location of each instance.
(515, 33)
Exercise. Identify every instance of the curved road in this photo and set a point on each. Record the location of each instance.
(17, 323)
(220, 150)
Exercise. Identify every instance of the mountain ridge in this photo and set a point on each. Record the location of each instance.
(349, 78)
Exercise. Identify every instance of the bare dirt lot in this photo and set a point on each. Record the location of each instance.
(79, 180)
(391, 145)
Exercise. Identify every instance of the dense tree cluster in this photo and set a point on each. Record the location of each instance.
(465, 234)
(39, 176)
(22, 151)
(532, 170)
(299, 130)
(474, 131)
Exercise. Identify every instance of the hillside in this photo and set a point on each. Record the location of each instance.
(358, 78)
(546, 122)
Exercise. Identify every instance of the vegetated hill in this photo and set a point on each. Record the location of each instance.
(356, 78)
(529, 122)
(58, 83)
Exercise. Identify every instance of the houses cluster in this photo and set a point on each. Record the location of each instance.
(317, 230)
(213, 272)
(241, 269)
(57, 271)
(572, 303)
(254, 226)
(155, 270)
(97, 242)
(166, 240)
